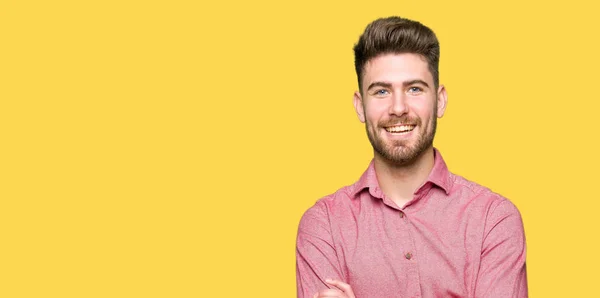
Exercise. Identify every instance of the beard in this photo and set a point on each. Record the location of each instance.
(402, 152)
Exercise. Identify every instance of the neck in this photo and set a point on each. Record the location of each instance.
(399, 182)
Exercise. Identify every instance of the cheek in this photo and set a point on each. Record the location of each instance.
(375, 113)
(373, 118)
(425, 112)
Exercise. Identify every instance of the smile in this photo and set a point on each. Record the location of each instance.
(400, 128)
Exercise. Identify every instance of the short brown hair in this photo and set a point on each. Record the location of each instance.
(396, 35)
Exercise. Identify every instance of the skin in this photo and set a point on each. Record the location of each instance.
(397, 89)
(339, 290)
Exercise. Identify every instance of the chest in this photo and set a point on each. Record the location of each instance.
(396, 254)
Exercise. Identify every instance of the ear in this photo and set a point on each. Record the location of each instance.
(358, 106)
(442, 101)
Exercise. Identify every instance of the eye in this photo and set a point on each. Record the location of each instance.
(381, 92)
(415, 90)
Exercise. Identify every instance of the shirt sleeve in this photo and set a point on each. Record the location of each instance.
(502, 272)
(316, 258)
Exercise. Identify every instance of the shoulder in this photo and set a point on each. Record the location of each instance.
(470, 189)
(494, 205)
(321, 212)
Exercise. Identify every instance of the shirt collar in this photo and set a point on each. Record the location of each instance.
(439, 176)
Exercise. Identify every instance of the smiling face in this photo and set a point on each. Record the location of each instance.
(399, 105)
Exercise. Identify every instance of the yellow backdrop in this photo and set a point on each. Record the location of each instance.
(169, 148)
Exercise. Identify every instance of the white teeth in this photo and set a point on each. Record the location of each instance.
(400, 128)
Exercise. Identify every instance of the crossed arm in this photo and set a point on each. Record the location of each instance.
(502, 270)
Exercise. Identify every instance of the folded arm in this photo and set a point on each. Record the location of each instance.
(502, 272)
(316, 258)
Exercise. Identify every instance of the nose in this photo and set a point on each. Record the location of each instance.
(398, 106)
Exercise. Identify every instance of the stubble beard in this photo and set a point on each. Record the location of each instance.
(398, 152)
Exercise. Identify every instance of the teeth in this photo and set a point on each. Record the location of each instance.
(400, 128)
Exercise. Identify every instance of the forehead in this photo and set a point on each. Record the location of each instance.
(397, 68)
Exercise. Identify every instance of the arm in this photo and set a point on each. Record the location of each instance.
(502, 270)
(340, 290)
(316, 258)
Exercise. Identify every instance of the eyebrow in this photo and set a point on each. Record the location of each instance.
(389, 85)
(379, 84)
(417, 81)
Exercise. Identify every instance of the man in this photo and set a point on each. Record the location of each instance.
(408, 227)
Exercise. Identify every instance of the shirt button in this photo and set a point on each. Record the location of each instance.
(408, 256)
(401, 214)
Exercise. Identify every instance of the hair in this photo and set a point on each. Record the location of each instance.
(396, 35)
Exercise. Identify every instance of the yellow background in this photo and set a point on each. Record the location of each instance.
(169, 148)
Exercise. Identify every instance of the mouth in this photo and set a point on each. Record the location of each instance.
(400, 129)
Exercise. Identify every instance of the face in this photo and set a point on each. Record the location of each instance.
(399, 106)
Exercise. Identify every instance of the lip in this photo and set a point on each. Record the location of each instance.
(400, 125)
(398, 135)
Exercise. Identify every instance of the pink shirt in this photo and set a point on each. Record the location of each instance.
(455, 238)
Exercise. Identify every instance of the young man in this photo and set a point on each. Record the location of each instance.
(408, 227)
